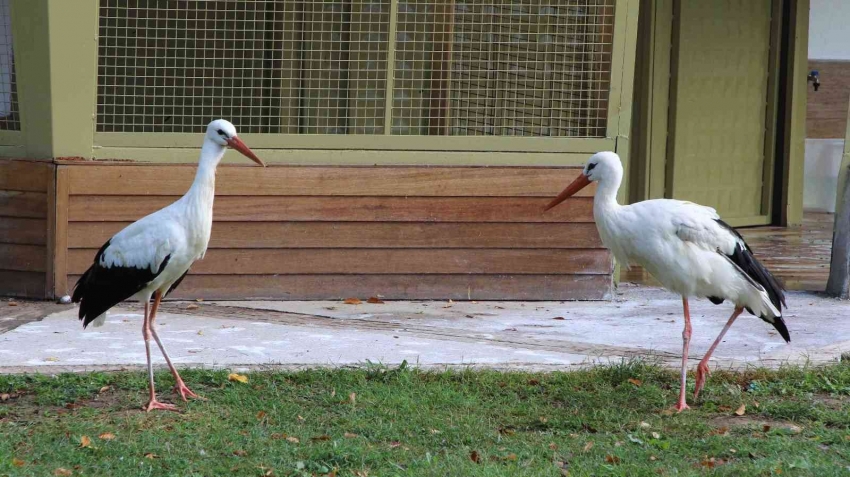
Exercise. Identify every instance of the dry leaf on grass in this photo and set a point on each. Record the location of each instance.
(151, 455)
(349, 435)
(612, 459)
(588, 446)
(293, 439)
(352, 398)
(741, 410)
(106, 436)
(51, 358)
(18, 462)
(261, 415)
(474, 457)
(240, 453)
(553, 446)
(656, 435)
(104, 389)
(237, 378)
(323, 437)
(352, 301)
(720, 431)
(636, 382)
(4, 397)
(62, 472)
(712, 463)
(374, 299)
(765, 428)
(85, 441)
(395, 444)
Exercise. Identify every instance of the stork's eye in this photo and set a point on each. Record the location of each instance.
(222, 133)
(591, 166)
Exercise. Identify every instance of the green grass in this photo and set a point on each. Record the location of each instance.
(407, 422)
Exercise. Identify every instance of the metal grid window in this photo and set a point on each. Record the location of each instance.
(459, 67)
(9, 116)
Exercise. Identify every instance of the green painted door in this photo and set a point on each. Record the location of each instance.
(720, 131)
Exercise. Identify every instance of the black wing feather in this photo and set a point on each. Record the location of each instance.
(100, 288)
(744, 259)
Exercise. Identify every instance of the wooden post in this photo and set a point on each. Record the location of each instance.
(838, 284)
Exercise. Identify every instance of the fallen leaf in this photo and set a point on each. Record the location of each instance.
(151, 455)
(200, 332)
(374, 299)
(653, 458)
(349, 435)
(352, 301)
(278, 436)
(720, 431)
(4, 397)
(533, 382)
(756, 404)
(300, 418)
(712, 463)
(636, 382)
(506, 431)
(559, 318)
(104, 389)
(510, 457)
(293, 439)
(765, 428)
(261, 415)
(588, 446)
(323, 437)
(656, 435)
(612, 459)
(237, 378)
(361, 473)
(18, 462)
(352, 398)
(645, 425)
(553, 446)
(13, 303)
(724, 408)
(589, 428)
(62, 472)
(192, 306)
(741, 410)
(544, 419)
(474, 457)
(106, 436)
(240, 453)
(85, 441)
(435, 431)
(394, 444)
(51, 358)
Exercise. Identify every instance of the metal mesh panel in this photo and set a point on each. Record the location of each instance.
(9, 116)
(314, 67)
(512, 67)
(462, 67)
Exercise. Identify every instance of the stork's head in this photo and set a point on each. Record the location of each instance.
(223, 133)
(604, 167)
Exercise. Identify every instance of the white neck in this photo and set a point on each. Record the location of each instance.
(605, 200)
(202, 191)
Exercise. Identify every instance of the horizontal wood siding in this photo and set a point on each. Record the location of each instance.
(24, 201)
(826, 110)
(292, 232)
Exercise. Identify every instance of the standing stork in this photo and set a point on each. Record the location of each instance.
(687, 248)
(151, 257)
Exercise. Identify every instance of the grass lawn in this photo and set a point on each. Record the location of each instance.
(376, 421)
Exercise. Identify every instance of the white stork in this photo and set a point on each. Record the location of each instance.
(687, 248)
(151, 257)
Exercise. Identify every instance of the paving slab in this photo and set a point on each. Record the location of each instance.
(639, 322)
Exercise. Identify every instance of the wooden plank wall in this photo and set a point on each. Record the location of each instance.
(24, 211)
(292, 232)
(826, 113)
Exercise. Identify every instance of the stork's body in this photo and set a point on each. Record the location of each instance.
(150, 257)
(686, 247)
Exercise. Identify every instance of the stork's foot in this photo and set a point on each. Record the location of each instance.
(703, 372)
(184, 391)
(154, 404)
(681, 406)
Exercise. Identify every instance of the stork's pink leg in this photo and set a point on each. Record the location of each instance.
(179, 387)
(686, 341)
(146, 333)
(702, 368)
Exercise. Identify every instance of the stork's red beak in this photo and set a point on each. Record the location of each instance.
(240, 146)
(580, 183)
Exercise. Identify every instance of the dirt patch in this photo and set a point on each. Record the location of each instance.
(831, 402)
(747, 422)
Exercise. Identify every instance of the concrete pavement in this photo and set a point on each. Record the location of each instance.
(503, 335)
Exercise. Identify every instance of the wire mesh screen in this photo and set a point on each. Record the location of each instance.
(512, 67)
(9, 117)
